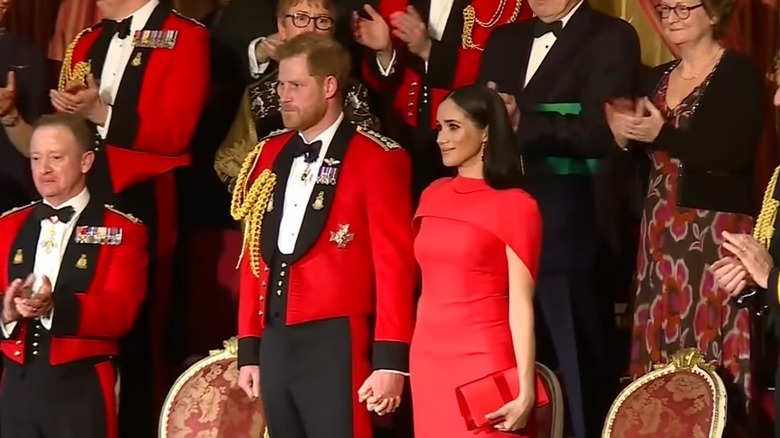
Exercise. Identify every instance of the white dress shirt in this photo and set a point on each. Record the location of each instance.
(438, 16)
(48, 262)
(117, 58)
(298, 191)
(255, 68)
(542, 45)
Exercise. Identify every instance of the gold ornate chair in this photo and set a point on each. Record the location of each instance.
(549, 418)
(206, 402)
(682, 399)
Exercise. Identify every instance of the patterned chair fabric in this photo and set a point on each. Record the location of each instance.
(682, 399)
(206, 402)
(549, 418)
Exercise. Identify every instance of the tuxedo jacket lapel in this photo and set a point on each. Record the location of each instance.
(317, 210)
(561, 53)
(80, 260)
(269, 241)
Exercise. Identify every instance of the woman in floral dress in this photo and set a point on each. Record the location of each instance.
(700, 127)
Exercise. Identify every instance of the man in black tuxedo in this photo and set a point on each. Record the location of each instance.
(572, 59)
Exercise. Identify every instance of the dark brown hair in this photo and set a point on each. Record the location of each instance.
(721, 11)
(284, 6)
(324, 56)
(76, 125)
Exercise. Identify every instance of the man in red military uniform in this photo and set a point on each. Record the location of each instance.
(419, 52)
(76, 275)
(141, 76)
(327, 272)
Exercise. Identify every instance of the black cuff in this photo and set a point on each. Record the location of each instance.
(248, 351)
(67, 314)
(389, 355)
(771, 287)
(442, 63)
(124, 133)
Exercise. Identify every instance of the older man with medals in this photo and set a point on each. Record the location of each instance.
(327, 269)
(74, 272)
(141, 76)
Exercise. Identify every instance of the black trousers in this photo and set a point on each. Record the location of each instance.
(310, 375)
(67, 401)
(572, 323)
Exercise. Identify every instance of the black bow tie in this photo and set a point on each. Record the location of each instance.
(121, 28)
(64, 214)
(543, 28)
(310, 150)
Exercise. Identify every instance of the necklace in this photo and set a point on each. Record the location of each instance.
(470, 18)
(707, 66)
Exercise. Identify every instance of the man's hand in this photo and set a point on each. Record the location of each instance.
(382, 392)
(17, 289)
(249, 380)
(81, 100)
(510, 103)
(38, 304)
(409, 27)
(756, 260)
(8, 95)
(265, 49)
(374, 33)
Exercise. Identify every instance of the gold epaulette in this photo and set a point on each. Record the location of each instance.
(82, 70)
(15, 209)
(386, 143)
(190, 19)
(764, 228)
(123, 214)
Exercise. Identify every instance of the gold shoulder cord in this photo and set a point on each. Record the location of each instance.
(82, 68)
(764, 229)
(470, 18)
(250, 206)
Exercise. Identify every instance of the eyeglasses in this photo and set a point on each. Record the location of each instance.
(682, 11)
(301, 20)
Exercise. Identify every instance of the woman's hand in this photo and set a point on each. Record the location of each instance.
(756, 260)
(644, 128)
(515, 414)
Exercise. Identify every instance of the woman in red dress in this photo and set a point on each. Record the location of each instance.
(478, 240)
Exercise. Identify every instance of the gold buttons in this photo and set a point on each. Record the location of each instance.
(284, 265)
(280, 283)
(260, 313)
(35, 344)
(262, 298)
(279, 292)
(19, 342)
(35, 353)
(263, 284)
(17, 353)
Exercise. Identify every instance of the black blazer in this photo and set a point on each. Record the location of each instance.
(717, 148)
(595, 58)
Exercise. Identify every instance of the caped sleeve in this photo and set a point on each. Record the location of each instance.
(520, 226)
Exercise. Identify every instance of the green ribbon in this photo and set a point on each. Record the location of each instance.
(563, 165)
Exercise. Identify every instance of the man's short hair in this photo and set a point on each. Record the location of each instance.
(324, 56)
(284, 6)
(77, 125)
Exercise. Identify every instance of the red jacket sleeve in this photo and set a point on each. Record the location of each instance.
(249, 327)
(389, 209)
(108, 310)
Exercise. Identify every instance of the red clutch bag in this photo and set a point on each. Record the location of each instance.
(487, 394)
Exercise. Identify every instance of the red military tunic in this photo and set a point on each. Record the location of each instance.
(453, 62)
(97, 296)
(157, 106)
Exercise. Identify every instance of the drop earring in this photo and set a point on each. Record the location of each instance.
(483, 150)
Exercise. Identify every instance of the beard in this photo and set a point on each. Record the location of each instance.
(297, 119)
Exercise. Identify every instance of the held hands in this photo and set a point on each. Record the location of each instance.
(8, 96)
(514, 414)
(265, 50)
(382, 392)
(78, 99)
(510, 103)
(749, 256)
(249, 380)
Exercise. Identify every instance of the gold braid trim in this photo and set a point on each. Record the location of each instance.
(470, 18)
(67, 71)
(765, 224)
(249, 206)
